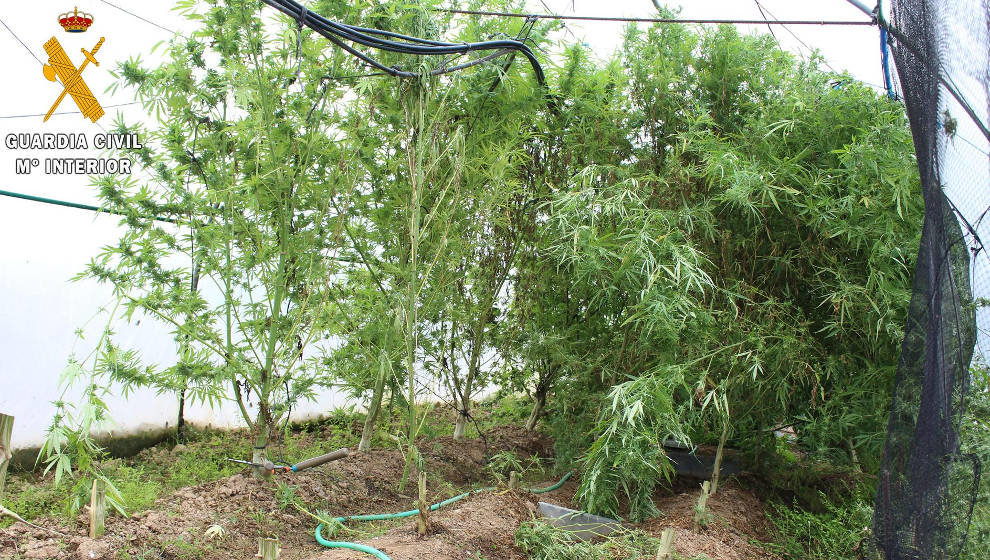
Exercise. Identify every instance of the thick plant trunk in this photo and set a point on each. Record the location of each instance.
(534, 416)
(464, 399)
(260, 454)
(180, 425)
(543, 385)
(717, 469)
(373, 410)
(460, 425)
(423, 505)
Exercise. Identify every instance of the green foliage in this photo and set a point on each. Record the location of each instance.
(747, 244)
(700, 230)
(70, 449)
(241, 162)
(502, 464)
(841, 531)
(974, 443)
(138, 488)
(544, 542)
(286, 495)
(627, 459)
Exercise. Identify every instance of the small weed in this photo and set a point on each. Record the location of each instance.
(182, 549)
(502, 463)
(286, 495)
(139, 492)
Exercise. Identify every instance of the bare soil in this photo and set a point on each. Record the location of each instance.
(737, 517)
(224, 519)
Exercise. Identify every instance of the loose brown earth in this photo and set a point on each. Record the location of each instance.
(184, 524)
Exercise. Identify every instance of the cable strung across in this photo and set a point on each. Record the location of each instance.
(337, 33)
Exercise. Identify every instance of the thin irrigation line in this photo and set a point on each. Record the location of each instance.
(142, 18)
(656, 20)
(67, 112)
(21, 42)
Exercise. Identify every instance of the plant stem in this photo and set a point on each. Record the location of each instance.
(374, 407)
(717, 470)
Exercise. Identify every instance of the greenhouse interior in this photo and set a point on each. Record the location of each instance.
(495, 280)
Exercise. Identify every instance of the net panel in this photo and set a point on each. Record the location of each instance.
(928, 481)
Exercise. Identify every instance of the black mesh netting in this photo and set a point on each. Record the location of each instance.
(928, 480)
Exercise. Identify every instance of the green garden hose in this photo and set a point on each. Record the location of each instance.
(409, 513)
(350, 545)
(550, 488)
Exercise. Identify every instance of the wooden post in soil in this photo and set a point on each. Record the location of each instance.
(423, 520)
(268, 548)
(666, 550)
(700, 517)
(6, 428)
(717, 470)
(97, 509)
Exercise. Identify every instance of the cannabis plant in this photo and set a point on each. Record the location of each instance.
(239, 171)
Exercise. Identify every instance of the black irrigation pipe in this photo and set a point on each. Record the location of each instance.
(338, 33)
(656, 20)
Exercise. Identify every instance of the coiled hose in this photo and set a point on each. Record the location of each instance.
(409, 513)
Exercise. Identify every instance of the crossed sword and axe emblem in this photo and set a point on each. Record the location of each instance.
(59, 65)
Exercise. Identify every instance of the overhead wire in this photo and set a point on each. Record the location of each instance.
(27, 48)
(769, 27)
(793, 34)
(144, 19)
(656, 20)
(68, 112)
(567, 29)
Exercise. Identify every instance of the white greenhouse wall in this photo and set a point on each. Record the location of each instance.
(41, 309)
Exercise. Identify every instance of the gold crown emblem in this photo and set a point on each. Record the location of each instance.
(74, 22)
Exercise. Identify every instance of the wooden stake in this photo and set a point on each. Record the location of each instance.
(699, 510)
(513, 480)
(666, 550)
(268, 548)
(97, 509)
(6, 428)
(423, 521)
(718, 456)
